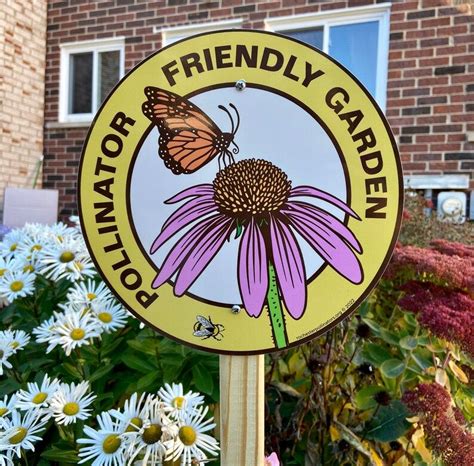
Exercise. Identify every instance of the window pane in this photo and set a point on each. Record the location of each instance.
(313, 37)
(80, 83)
(109, 73)
(355, 46)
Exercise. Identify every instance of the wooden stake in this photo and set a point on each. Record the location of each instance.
(242, 410)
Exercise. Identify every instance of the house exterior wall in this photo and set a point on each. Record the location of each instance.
(22, 70)
(430, 89)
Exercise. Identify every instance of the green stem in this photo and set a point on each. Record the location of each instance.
(275, 310)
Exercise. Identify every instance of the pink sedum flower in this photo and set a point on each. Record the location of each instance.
(272, 460)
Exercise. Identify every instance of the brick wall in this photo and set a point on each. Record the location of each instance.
(22, 69)
(430, 86)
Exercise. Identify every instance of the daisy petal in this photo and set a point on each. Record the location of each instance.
(203, 190)
(253, 274)
(329, 246)
(326, 220)
(185, 215)
(204, 250)
(180, 251)
(289, 268)
(323, 195)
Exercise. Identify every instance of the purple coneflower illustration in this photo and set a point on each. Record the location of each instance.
(254, 199)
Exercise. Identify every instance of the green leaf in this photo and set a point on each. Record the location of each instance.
(423, 358)
(375, 354)
(99, 373)
(389, 423)
(138, 363)
(408, 343)
(72, 370)
(202, 379)
(364, 398)
(238, 230)
(147, 382)
(392, 368)
(55, 454)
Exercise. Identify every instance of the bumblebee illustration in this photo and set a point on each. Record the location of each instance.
(205, 328)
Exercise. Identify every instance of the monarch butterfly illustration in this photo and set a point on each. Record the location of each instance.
(189, 139)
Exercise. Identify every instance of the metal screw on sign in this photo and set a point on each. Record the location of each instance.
(240, 85)
(235, 309)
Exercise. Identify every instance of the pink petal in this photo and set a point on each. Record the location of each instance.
(208, 245)
(182, 248)
(289, 267)
(253, 272)
(313, 192)
(186, 214)
(326, 219)
(329, 246)
(205, 189)
(272, 460)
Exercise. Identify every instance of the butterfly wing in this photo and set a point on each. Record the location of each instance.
(188, 137)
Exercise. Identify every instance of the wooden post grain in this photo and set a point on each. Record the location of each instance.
(242, 410)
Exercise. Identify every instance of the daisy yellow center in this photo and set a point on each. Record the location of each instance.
(111, 443)
(14, 344)
(39, 398)
(28, 268)
(3, 411)
(77, 334)
(187, 435)
(16, 286)
(91, 296)
(13, 247)
(2, 272)
(105, 317)
(152, 434)
(66, 256)
(36, 247)
(79, 265)
(2, 353)
(178, 402)
(71, 409)
(19, 436)
(251, 188)
(134, 424)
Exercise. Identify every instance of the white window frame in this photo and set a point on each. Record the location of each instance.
(344, 16)
(95, 46)
(173, 34)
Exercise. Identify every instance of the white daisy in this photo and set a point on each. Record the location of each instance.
(60, 257)
(10, 264)
(5, 352)
(148, 443)
(20, 431)
(105, 445)
(110, 315)
(70, 403)
(74, 330)
(31, 247)
(191, 443)
(6, 458)
(46, 332)
(16, 339)
(16, 285)
(84, 294)
(10, 242)
(37, 396)
(134, 411)
(7, 405)
(176, 402)
(61, 231)
(81, 268)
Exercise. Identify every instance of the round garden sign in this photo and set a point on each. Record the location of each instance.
(240, 192)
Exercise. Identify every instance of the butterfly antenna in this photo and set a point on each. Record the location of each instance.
(238, 117)
(236, 149)
(229, 115)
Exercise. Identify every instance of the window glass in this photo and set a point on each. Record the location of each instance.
(313, 37)
(355, 46)
(109, 73)
(80, 83)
